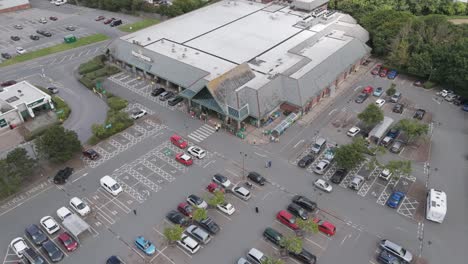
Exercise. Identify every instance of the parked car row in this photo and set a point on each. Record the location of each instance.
(169, 96)
(38, 237)
(384, 72)
(113, 22)
(193, 151)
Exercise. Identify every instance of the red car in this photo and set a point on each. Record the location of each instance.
(383, 72)
(185, 209)
(376, 70)
(179, 141)
(184, 159)
(325, 227)
(68, 242)
(8, 83)
(91, 154)
(287, 219)
(108, 21)
(99, 18)
(213, 187)
(368, 90)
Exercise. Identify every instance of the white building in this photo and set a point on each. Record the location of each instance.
(21, 101)
(13, 5)
(244, 59)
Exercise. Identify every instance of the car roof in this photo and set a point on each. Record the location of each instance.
(285, 213)
(76, 200)
(242, 190)
(108, 179)
(256, 253)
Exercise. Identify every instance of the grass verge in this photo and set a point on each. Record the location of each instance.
(138, 25)
(54, 49)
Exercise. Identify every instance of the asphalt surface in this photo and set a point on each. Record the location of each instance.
(142, 159)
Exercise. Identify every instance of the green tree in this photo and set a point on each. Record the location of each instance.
(307, 226)
(292, 244)
(57, 144)
(272, 261)
(399, 167)
(116, 103)
(412, 128)
(349, 156)
(173, 234)
(20, 164)
(371, 115)
(217, 198)
(199, 214)
(391, 91)
(9, 182)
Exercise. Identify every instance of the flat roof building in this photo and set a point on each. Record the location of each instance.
(13, 5)
(19, 102)
(246, 59)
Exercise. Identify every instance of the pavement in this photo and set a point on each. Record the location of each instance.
(141, 159)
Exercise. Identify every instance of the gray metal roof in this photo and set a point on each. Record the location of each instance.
(75, 225)
(167, 68)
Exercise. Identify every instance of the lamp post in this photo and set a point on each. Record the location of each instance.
(243, 155)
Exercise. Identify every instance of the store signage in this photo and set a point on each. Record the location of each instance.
(3, 123)
(141, 56)
(35, 103)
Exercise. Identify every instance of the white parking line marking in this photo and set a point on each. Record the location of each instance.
(206, 165)
(315, 243)
(26, 200)
(222, 214)
(183, 250)
(299, 142)
(261, 155)
(344, 239)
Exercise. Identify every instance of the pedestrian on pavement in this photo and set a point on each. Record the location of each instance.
(134, 212)
(256, 209)
(269, 164)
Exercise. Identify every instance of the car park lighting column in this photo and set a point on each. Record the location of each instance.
(243, 155)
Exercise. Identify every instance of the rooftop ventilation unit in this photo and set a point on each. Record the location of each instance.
(173, 50)
(329, 15)
(183, 55)
(319, 12)
(149, 39)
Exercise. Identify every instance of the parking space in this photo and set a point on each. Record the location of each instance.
(144, 88)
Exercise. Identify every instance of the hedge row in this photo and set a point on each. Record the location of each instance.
(102, 72)
(118, 122)
(61, 107)
(95, 64)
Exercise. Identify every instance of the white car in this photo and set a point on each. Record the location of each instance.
(20, 50)
(352, 132)
(196, 201)
(226, 208)
(221, 180)
(321, 167)
(443, 93)
(110, 185)
(385, 174)
(241, 192)
(79, 206)
(323, 185)
(138, 113)
(188, 244)
(19, 246)
(256, 256)
(49, 224)
(380, 102)
(63, 212)
(196, 152)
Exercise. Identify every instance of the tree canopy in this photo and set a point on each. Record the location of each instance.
(349, 156)
(412, 128)
(371, 115)
(58, 144)
(292, 244)
(173, 233)
(16, 168)
(399, 167)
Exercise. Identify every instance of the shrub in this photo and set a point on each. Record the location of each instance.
(30, 135)
(117, 103)
(90, 66)
(119, 121)
(87, 82)
(61, 105)
(96, 74)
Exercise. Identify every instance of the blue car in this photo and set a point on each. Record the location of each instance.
(395, 199)
(145, 245)
(378, 92)
(392, 74)
(386, 257)
(465, 107)
(393, 133)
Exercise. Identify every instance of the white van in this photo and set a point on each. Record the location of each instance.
(436, 205)
(110, 185)
(319, 144)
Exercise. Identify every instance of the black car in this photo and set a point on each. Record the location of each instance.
(166, 95)
(361, 98)
(53, 90)
(209, 225)
(298, 211)
(36, 234)
(62, 175)
(398, 108)
(157, 91)
(419, 114)
(306, 161)
(54, 253)
(273, 235)
(15, 38)
(338, 176)
(304, 257)
(386, 257)
(177, 218)
(33, 257)
(114, 260)
(44, 33)
(91, 154)
(257, 178)
(34, 37)
(6, 56)
(304, 202)
(174, 100)
(116, 23)
(8, 83)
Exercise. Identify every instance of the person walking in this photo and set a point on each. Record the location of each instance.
(256, 209)
(134, 212)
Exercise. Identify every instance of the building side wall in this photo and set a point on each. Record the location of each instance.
(13, 5)
(270, 96)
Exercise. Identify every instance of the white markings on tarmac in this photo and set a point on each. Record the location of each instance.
(261, 155)
(206, 165)
(332, 111)
(84, 175)
(299, 142)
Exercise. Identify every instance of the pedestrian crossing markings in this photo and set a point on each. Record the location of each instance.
(201, 133)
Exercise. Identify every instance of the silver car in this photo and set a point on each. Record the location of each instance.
(199, 234)
(396, 250)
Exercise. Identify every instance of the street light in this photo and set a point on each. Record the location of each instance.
(243, 155)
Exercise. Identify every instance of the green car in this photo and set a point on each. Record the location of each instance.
(273, 235)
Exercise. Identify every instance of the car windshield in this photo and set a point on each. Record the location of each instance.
(292, 220)
(81, 206)
(180, 141)
(68, 241)
(115, 187)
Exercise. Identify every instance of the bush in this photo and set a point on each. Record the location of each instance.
(429, 85)
(117, 103)
(119, 121)
(90, 66)
(87, 82)
(96, 74)
(61, 105)
(30, 135)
